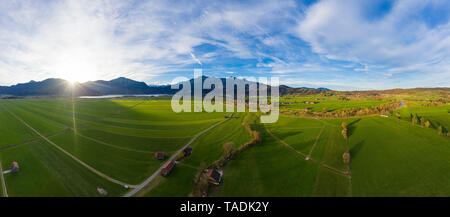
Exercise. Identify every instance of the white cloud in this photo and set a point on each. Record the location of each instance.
(87, 40)
(397, 41)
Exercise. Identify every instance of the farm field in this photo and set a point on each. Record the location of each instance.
(127, 133)
(328, 103)
(438, 115)
(208, 149)
(86, 147)
(389, 158)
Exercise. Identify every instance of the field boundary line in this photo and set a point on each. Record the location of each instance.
(111, 145)
(72, 156)
(62, 131)
(350, 186)
(156, 173)
(139, 136)
(339, 172)
(4, 190)
(34, 139)
(285, 144)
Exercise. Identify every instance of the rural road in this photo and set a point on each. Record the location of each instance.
(65, 130)
(71, 156)
(156, 173)
(4, 190)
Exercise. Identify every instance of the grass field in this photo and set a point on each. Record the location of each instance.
(115, 137)
(207, 149)
(389, 158)
(298, 156)
(438, 115)
(330, 103)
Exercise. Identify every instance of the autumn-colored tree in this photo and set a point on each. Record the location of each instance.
(346, 157)
(228, 149)
(344, 130)
(414, 120)
(440, 130)
(344, 133)
(427, 124)
(422, 121)
(201, 188)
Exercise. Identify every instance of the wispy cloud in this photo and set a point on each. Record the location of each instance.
(349, 43)
(398, 39)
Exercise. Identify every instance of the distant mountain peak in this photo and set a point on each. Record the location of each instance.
(120, 85)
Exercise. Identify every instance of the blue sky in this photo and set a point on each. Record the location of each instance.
(339, 44)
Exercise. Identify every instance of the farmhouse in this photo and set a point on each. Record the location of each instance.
(214, 176)
(167, 168)
(160, 155)
(15, 167)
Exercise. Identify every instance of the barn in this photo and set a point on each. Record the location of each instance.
(214, 176)
(160, 155)
(167, 168)
(15, 167)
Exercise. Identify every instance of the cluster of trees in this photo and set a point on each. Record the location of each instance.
(344, 98)
(344, 130)
(384, 109)
(420, 121)
(201, 184)
(230, 152)
(442, 131)
(438, 102)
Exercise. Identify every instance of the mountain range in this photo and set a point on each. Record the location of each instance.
(60, 87)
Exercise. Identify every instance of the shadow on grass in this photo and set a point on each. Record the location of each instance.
(288, 134)
(356, 148)
(351, 127)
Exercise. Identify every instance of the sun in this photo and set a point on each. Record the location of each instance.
(77, 71)
(76, 78)
(75, 66)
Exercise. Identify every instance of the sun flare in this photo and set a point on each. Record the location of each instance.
(75, 65)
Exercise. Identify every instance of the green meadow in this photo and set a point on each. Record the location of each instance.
(118, 138)
(389, 158)
(328, 103)
(297, 156)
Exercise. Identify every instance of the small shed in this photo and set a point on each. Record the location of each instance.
(187, 151)
(160, 155)
(15, 167)
(167, 168)
(214, 176)
(102, 191)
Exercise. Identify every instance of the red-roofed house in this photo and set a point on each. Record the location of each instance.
(167, 168)
(15, 167)
(160, 155)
